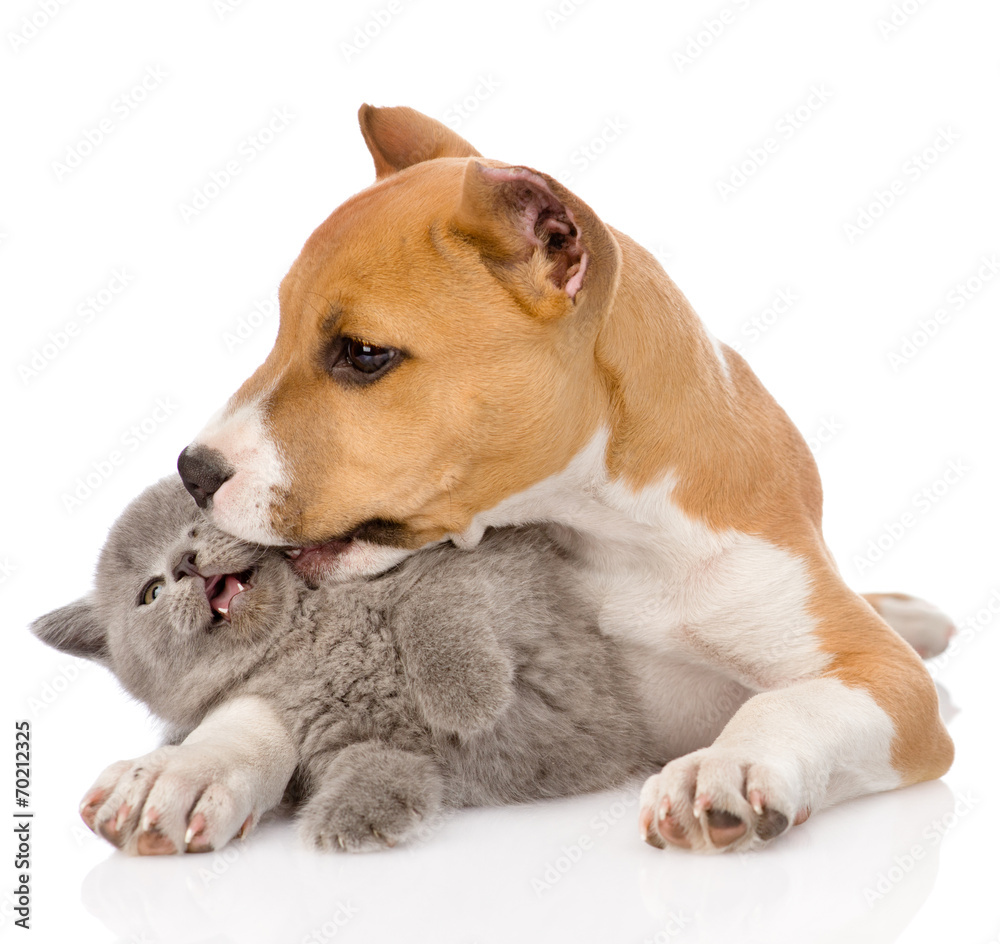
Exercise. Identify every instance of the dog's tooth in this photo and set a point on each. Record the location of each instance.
(294, 552)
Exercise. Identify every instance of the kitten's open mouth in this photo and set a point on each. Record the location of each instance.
(222, 589)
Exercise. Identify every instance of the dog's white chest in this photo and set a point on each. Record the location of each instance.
(724, 600)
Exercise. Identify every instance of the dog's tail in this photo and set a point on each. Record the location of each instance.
(920, 623)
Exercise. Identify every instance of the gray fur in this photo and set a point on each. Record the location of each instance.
(459, 677)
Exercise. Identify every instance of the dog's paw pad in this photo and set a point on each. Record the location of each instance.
(724, 827)
(702, 802)
(770, 824)
(153, 842)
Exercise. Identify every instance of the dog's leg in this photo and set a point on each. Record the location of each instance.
(196, 795)
(920, 623)
(868, 721)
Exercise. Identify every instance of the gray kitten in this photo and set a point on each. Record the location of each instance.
(457, 678)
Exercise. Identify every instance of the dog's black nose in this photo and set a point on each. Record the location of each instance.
(202, 471)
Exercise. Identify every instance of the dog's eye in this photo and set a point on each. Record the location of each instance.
(366, 357)
(358, 361)
(152, 590)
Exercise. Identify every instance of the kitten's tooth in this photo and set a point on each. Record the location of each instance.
(293, 552)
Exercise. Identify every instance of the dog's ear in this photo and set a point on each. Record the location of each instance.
(75, 629)
(400, 137)
(539, 239)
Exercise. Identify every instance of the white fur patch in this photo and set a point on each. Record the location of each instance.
(242, 505)
(672, 584)
(839, 736)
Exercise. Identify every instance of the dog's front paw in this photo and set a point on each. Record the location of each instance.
(174, 799)
(714, 800)
(371, 798)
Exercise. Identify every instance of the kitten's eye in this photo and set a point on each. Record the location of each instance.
(152, 590)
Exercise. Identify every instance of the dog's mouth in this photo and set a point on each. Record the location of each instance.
(313, 562)
(310, 560)
(223, 590)
(311, 554)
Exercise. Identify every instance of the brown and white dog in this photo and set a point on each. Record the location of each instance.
(465, 344)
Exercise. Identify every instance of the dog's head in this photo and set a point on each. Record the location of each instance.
(435, 355)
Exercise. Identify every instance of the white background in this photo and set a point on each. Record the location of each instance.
(529, 86)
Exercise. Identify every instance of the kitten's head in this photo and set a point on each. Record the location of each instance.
(179, 609)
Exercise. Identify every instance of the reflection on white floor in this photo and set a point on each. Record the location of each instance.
(905, 866)
(571, 870)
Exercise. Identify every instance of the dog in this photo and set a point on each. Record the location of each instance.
(465, 344)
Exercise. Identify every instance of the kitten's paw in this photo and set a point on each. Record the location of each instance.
(372, 797)
(714, 801)
(175, 799)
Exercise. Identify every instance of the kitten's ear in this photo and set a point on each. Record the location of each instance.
(75, 629)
